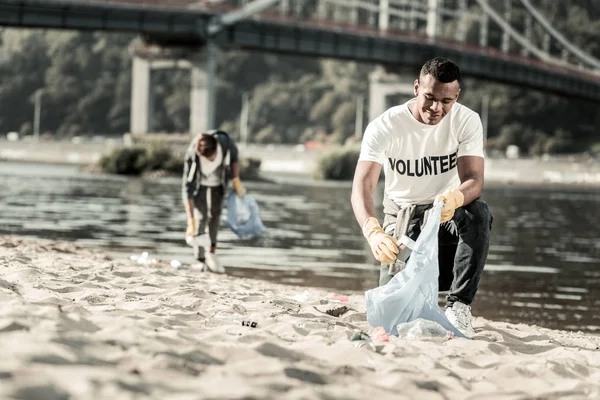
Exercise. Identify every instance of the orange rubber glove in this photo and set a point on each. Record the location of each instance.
(452, 198)
(384, 247)
(191, 227)
(237, 185)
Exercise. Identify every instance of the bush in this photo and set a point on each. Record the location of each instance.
(338, 164)
(159, 157)
(124, 161)
(250, 169)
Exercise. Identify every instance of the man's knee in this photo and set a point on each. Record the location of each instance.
(475, 214)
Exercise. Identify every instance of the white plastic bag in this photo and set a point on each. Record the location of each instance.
(413, 292)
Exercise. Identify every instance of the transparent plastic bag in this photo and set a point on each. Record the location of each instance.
(413, 292)
(243, 216)
(423, 329)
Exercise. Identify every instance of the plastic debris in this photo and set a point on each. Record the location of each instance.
(336, 312)
(380, 335)
(303, 297)
(143, 259)
(362, 339)
(340, 298)
(423, 329)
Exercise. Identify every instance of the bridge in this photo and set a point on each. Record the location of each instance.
(506, 41)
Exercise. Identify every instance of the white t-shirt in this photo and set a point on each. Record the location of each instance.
(211, 171)
(419, 160)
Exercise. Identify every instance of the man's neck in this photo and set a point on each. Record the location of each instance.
(413, 110)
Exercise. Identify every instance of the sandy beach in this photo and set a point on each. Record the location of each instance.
(76, 324)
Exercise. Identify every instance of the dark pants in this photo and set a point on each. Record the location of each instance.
(464, 242)
(208, 204)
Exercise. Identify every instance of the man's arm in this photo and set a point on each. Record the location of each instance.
(366, 175)
(235, 170)
(470, 172)
(365, 180)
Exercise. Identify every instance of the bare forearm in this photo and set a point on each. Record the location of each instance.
(471, 189)
(471, 173)
(362, 202)
(363, 186)
(363, 207)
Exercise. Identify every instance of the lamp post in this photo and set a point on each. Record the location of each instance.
(485, 106)
(37, 114)
(358, 121)
(244, 118)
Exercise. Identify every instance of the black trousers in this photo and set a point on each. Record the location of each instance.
(208, 205)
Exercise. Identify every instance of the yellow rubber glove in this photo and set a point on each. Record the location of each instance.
(191, 227)
(452, 198)
(237, 185)
(384, 247)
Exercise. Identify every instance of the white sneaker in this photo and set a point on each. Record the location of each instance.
(460, 316)
(213, 263)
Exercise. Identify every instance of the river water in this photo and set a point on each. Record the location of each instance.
(543, 267)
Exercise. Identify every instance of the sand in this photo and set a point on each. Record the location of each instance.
(77, 324)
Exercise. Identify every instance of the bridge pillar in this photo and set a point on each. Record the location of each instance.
(202, 66)
(202, 91)
(387, 90)
(140, 96)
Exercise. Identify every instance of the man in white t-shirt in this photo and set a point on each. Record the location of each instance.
(210, 161)
(431, 150)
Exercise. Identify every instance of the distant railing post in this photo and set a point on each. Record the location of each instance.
(432, 18)
(507, 18)
(384, 15)
(528, 33)
(483, 30)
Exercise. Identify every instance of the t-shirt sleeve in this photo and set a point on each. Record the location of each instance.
(471, 137)
(373, 143)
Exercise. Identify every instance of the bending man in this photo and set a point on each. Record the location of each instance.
(210, 161)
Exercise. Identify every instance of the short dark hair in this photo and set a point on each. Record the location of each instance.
(441, 69)
(209, 145)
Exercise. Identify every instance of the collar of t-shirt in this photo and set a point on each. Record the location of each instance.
(207, 166)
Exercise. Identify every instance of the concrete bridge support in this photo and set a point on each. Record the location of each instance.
(387, 90)
(140, 96)
(202, 92)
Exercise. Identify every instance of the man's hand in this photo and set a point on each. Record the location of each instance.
(191, 227)
(383, 247)
(452, 198)
(237, 185)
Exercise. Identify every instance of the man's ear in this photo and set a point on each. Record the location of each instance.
(457, 94)
(416, 88)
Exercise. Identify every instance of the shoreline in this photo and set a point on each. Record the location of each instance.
(76, 322)
(294, 161)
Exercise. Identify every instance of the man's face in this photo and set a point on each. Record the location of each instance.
(202, 149)
(434, 99)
